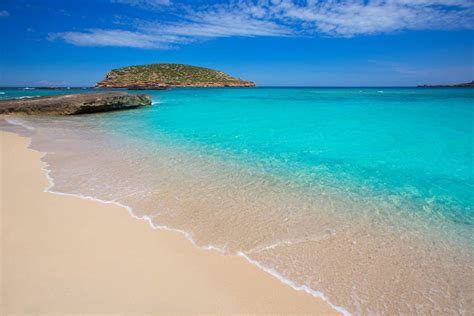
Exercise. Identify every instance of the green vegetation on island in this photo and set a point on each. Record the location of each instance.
(169, 75)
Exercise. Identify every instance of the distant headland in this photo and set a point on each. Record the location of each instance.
(161, 76)
(454, 85)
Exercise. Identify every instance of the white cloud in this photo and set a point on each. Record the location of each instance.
(216, 22)
(120, 38)
(356, 17)
(338, 18)
(4, 13)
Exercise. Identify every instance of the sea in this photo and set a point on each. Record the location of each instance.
(363, 197)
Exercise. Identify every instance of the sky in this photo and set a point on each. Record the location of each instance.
(272, 42)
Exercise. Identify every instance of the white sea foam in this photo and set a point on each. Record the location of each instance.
(296, 287)
(19, 123)
(290, 242)
(27, 97)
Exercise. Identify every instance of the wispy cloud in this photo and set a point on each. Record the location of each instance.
(217, 21)
(4, 13)
(119, 38)
(353, 17)
(337, 18)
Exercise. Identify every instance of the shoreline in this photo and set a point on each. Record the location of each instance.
(72, 266)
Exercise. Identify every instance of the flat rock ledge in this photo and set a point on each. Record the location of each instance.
(71, 104)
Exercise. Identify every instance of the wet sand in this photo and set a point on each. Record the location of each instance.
(62, 255)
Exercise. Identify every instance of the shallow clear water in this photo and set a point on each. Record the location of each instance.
(362, 194)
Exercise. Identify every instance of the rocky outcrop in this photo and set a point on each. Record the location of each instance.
(162, 76)
(71, 104)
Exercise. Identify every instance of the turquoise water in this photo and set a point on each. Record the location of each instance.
(293, 179)
(415, 143)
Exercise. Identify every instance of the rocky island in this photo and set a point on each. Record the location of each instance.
(454, 85)
(160, 76)
(70, 104)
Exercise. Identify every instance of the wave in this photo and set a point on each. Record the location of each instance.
(26, 97)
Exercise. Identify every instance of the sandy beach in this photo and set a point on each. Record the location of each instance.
(64, 255)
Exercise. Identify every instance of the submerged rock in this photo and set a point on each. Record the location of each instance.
(70, 104)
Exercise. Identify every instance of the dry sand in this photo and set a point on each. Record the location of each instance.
(64, 255)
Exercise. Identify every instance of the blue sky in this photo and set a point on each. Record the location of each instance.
(273, 42)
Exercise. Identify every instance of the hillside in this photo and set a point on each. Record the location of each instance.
(169, 75)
